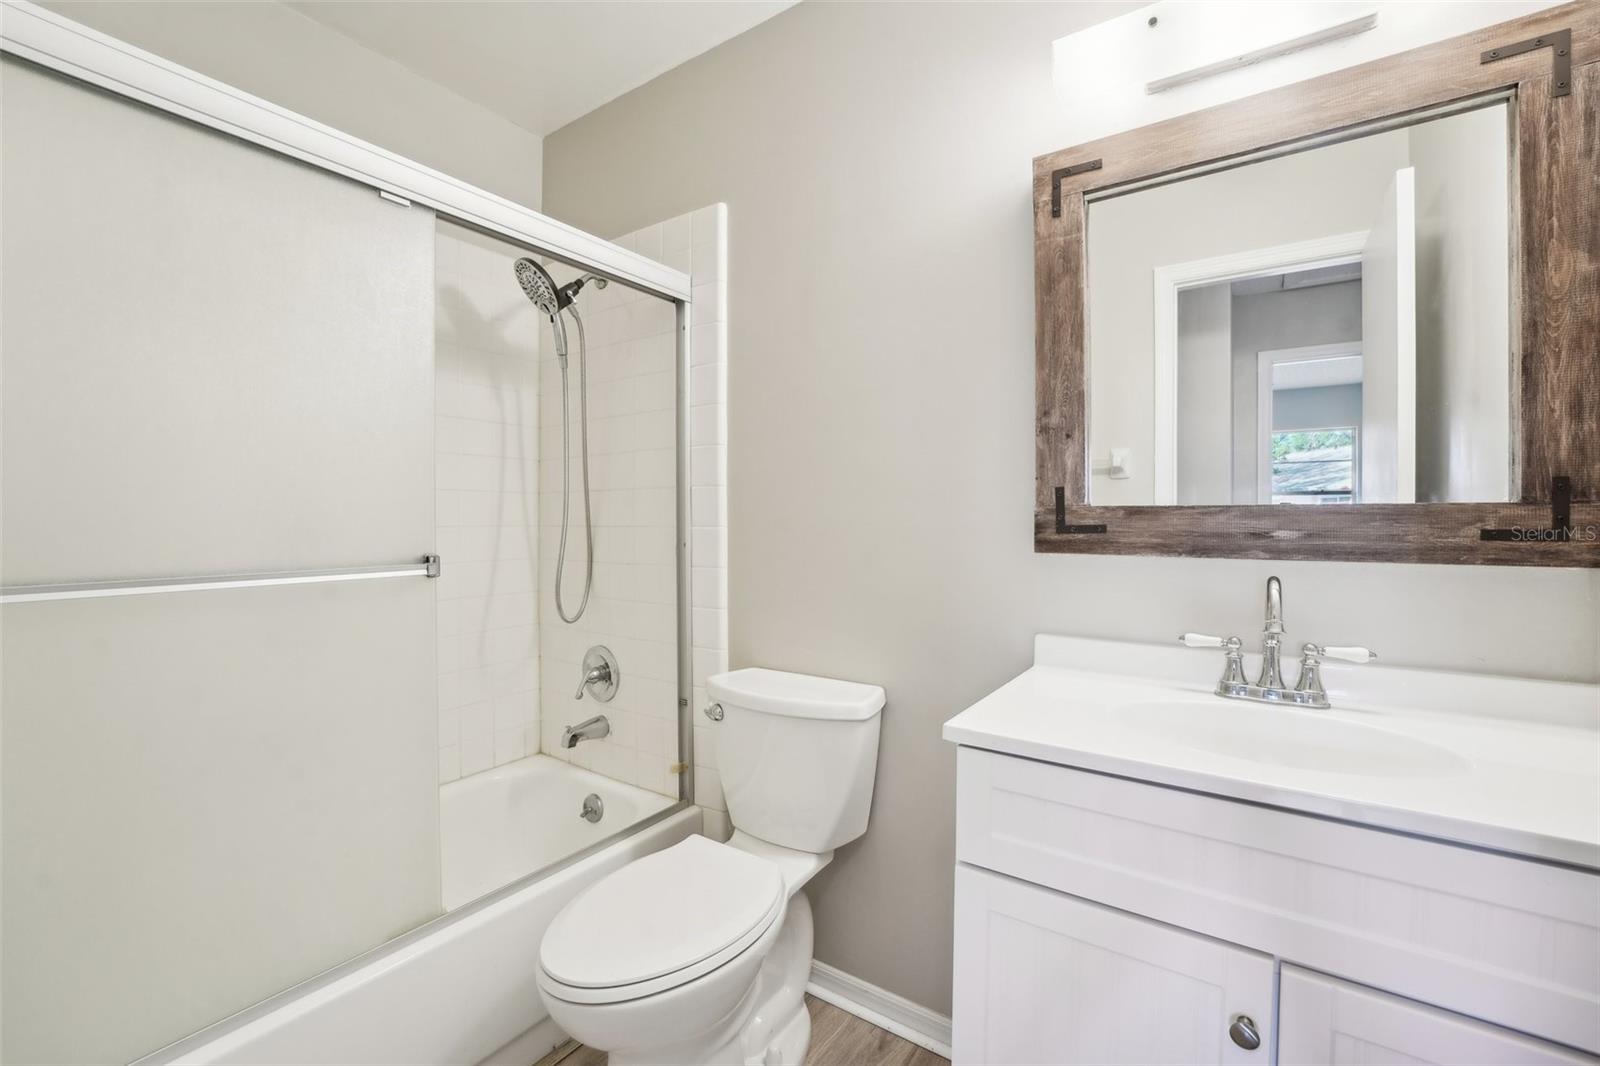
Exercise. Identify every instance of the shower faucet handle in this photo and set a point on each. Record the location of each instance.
(600, 674)
(597, 675)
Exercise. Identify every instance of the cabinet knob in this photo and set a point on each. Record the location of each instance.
(1243, 1032)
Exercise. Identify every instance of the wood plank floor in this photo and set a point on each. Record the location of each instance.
(837, 1039)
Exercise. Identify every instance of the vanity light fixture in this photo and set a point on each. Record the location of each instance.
(1338, 31)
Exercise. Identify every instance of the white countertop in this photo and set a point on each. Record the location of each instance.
(1525, 778)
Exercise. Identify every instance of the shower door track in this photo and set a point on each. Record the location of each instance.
(428, 567)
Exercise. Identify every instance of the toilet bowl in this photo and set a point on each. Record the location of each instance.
(701, 953)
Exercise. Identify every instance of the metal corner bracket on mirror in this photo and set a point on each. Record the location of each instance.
(1560, 44)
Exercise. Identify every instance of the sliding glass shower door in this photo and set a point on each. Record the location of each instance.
(213, 361)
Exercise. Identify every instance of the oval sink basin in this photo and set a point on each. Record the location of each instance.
(1288, 736)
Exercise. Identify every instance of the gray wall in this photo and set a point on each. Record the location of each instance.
(1293, 318)
(876, 159)
(1205, 395)
(273, 51)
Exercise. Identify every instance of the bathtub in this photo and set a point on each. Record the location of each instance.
(462, 989)
(501, 825)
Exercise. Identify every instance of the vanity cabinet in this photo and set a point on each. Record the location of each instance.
(1106, 920)
(1044, 977)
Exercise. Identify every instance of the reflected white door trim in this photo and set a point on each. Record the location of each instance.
(1265, 361)
(67, 47)
(1173, 278)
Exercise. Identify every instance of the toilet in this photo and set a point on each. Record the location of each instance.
(700, 953)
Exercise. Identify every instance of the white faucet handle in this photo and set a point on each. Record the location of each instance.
(1201, 640)
(1352, 654)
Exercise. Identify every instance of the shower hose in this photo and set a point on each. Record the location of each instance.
(566, 474)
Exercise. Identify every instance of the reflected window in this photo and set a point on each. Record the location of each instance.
(1315, 466)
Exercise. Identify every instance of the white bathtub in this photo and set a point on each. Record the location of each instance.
(462, 989)
(501, 825)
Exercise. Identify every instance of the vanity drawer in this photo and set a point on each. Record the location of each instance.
(1501, 939)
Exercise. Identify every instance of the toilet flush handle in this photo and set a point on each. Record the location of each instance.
(714, 712)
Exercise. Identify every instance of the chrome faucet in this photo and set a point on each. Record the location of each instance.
(590, 729)
(1271, 636)
(1269, 686)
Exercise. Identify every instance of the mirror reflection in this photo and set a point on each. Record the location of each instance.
(1329, 326)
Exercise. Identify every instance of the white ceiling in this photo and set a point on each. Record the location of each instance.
(540, 63)
(1315, 373)
(1299, 279)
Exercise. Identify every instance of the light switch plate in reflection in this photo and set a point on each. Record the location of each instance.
(1119, 464)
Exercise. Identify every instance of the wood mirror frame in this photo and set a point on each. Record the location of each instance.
(1550, 61)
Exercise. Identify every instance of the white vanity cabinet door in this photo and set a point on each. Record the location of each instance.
(1043, 977)
(1323, 1021)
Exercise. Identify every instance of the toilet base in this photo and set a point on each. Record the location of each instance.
(790, 1043)
(770, 1026)
(779, 1030)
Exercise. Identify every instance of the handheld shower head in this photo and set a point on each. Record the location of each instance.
(538, 286)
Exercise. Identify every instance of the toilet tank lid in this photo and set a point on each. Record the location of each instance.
(796, 695)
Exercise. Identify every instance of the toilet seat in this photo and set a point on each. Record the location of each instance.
(660, 922)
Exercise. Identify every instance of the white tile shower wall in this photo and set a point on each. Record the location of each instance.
(486, 433)
(632, 608)
(633, 474)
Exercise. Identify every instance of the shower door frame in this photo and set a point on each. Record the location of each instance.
(75, 51)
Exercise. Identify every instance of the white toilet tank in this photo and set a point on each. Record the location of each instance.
(797, 754)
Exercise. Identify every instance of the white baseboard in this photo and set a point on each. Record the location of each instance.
(884, 1009)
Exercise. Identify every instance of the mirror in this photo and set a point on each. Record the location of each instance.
(1327, 326)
